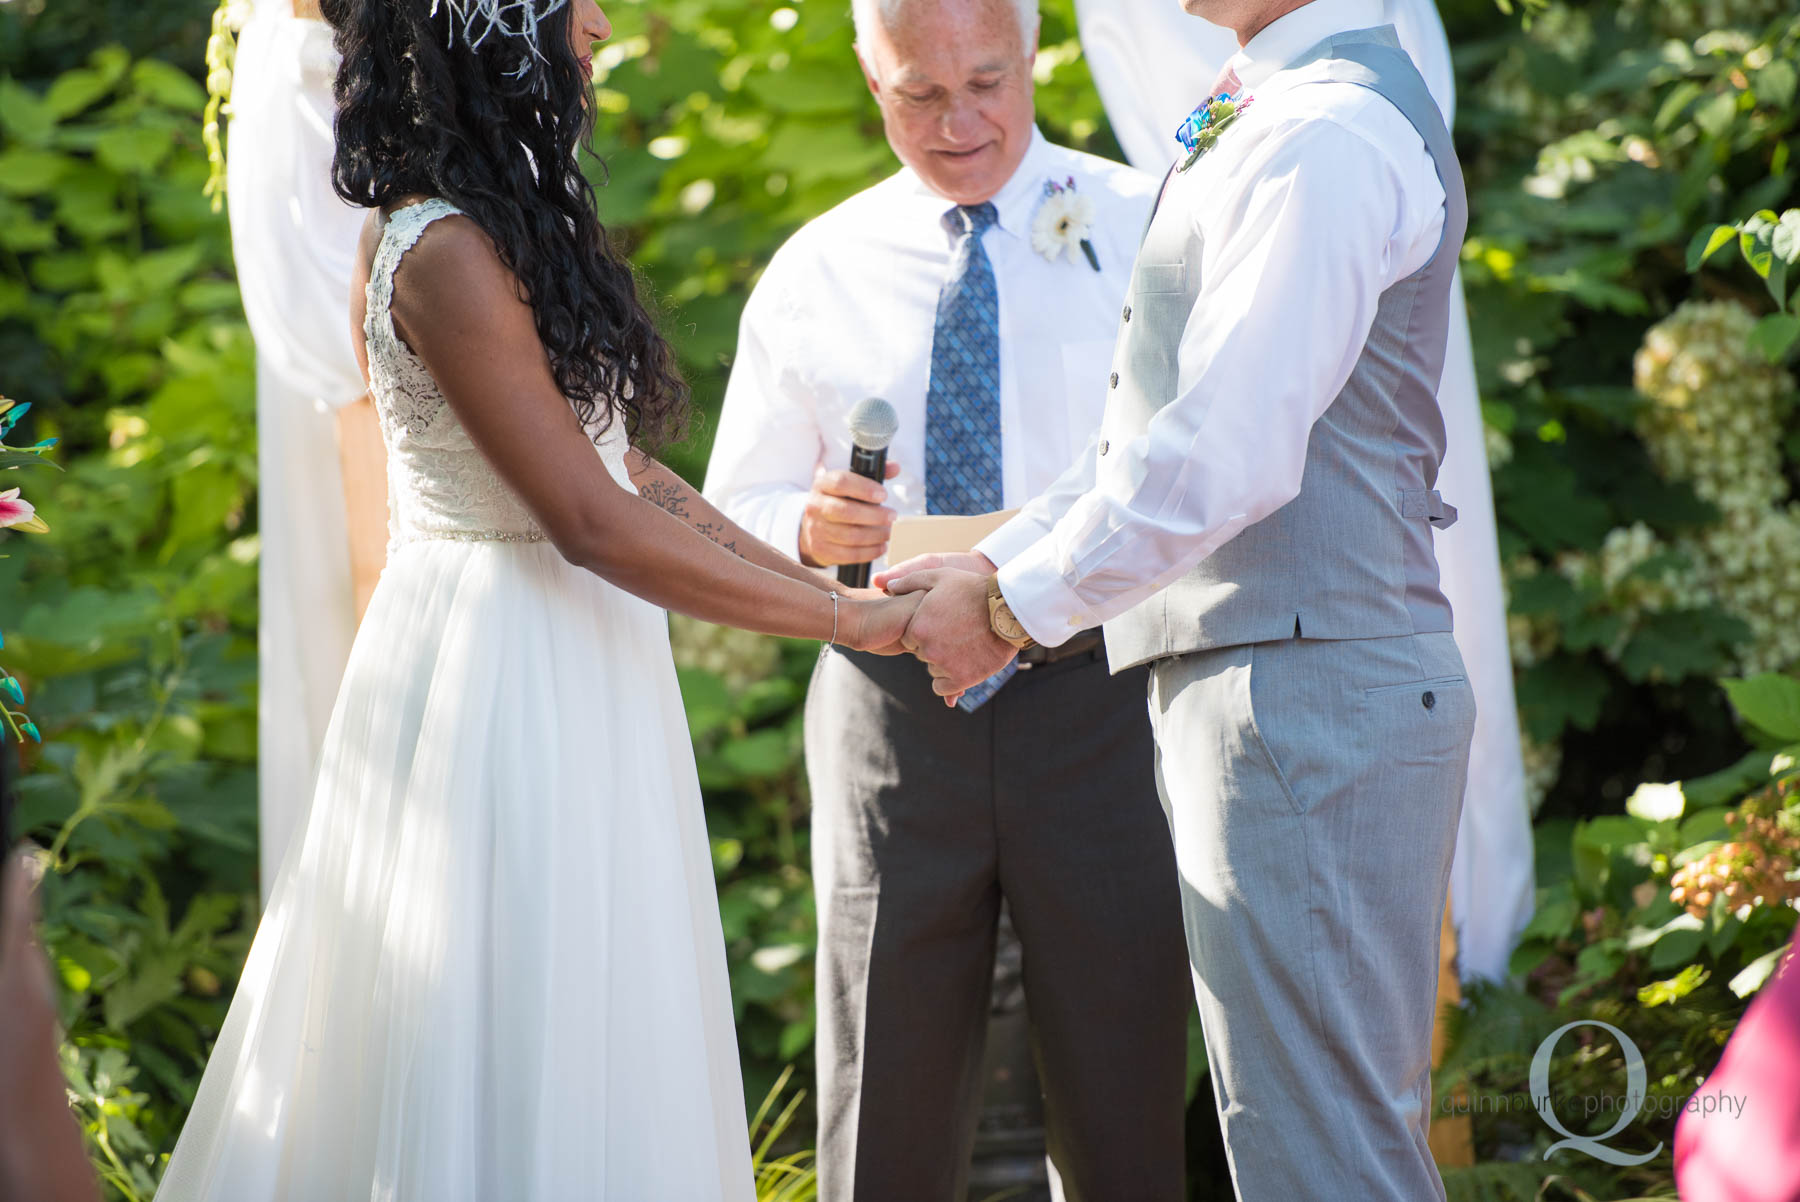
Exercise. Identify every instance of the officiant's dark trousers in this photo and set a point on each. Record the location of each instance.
(924, 817)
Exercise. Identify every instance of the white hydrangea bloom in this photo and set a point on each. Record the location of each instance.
(1715, 405)
(1621, 574)
(1499, 447)
(1750, 564)
(739, 657)
(1532, 638)
(1543, 764)
(1715, 420)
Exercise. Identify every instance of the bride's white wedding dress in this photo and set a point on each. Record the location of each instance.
(491, 970)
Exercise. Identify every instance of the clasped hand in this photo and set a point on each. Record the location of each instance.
(950, 629)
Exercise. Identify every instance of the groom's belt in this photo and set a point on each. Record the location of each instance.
(1088, 642)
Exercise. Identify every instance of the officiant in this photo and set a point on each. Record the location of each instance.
(978, 290)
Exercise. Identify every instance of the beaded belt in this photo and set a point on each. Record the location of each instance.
(464, 536)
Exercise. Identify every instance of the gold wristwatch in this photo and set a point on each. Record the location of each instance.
(1001, 619)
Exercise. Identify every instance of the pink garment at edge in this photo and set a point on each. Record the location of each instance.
(1740, 1139)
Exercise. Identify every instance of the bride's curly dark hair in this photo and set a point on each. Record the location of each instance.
(497, 130)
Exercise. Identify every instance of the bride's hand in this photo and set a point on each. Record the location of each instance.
(874, 622)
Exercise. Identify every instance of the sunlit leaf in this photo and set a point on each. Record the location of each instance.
(1770, 702)
(1707, 242)
(1757, 973)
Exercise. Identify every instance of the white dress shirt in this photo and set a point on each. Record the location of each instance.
(846, 311)
(1316, 201)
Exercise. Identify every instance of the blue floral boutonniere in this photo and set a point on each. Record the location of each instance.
(1204, 125)
(1064, 221)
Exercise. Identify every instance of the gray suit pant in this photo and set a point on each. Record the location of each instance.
(1314, 789)
(924, 817)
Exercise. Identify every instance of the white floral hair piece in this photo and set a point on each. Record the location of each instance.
(475, 20)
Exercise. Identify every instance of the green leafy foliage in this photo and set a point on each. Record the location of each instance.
(1661, 922)
(789, 1178)
(1770, 245)
(1597, 139)
(134, 618)
(19, 516)
(1770, 703)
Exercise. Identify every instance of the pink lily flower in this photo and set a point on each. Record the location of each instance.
(16, 511)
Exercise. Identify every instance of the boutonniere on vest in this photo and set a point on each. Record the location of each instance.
(1064, 220)
(1204, 125)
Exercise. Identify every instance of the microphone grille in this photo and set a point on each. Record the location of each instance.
(873, 424)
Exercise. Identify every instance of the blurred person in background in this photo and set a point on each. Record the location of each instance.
(322, 480)
(1738, 1139)
(41, 1155)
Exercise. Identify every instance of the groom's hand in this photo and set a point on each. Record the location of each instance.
(950, 631)
(962, 561)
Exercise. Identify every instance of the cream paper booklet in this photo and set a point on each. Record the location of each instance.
(941, 533)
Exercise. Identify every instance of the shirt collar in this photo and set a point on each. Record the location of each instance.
(1016, 202)
(1288, 37)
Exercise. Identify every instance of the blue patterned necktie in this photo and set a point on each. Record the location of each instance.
(962, 404)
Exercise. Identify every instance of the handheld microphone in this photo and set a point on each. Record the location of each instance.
(873, 424)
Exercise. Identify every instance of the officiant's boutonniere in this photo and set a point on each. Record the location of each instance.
(1204, 125)
(1064, 220)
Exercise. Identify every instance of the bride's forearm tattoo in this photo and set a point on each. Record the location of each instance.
(665, 495)
(721, 535)
(673, 499)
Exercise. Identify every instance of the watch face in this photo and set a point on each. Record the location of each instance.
(1006, 625)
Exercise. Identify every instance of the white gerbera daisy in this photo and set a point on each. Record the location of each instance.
(1063, 222)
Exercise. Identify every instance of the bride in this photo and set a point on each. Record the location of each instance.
(492, 966)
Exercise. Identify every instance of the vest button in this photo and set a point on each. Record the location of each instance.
(1127, 312)
(1115, 379)
(1429, 700)
(1105, 446)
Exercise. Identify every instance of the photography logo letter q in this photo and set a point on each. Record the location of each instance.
(1636, 1083)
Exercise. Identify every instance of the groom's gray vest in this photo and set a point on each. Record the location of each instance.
(1351, 556)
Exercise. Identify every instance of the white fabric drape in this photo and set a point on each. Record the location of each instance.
(294, 242)
(1152, 64)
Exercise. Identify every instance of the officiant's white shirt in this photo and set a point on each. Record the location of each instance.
(846, 311)
(1319, 198)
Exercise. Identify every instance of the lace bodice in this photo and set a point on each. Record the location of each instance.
(439, 483)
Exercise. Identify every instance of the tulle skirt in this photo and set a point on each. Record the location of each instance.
(492, 968)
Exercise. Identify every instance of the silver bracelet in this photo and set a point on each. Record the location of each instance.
(834, 617)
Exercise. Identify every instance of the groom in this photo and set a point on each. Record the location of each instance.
(1254, 518)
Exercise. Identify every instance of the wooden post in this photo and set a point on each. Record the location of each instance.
(1452, 1136)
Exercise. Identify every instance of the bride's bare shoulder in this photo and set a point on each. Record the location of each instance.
(453, 273)
(451, 250)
